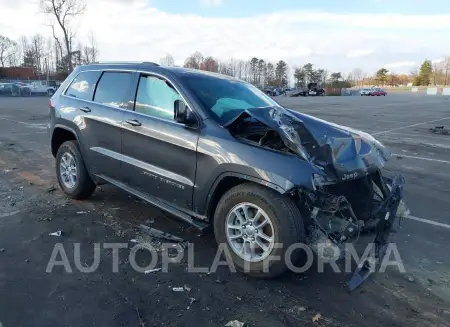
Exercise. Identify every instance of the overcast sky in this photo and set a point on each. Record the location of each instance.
(337, 35)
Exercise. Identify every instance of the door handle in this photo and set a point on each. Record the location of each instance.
(134, 122)
(85, 109)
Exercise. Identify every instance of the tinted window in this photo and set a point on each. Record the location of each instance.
(155, 97)
(83, 86)
(226, 98)
(113, 89)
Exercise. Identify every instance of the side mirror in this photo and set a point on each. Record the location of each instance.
(183, 115)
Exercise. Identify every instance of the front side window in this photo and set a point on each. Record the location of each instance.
(114, 89)
(83, 86)
(156, 97)
(226, 98)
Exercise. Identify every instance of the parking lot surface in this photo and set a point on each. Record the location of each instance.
(31, 208)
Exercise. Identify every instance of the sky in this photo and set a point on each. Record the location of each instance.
(337, 35)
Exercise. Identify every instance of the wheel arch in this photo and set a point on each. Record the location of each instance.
(60, 135)
(228, 180)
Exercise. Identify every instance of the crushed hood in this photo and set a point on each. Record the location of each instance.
(341, 151)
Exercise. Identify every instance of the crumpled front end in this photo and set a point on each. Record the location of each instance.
(336, 214)
(349, 193)
(341, 152)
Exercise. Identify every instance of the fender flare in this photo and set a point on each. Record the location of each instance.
(249, 178)
(71, 130)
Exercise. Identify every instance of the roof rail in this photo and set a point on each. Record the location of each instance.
(127, 63)
(150, 63)
(118, 62)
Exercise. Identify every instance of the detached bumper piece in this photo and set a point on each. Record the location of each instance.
(394, 190)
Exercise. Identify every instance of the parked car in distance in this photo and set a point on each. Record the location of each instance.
(15, 89)
(214, 150)
(378, 91)
(24, 88)
(366, 92)
(43, 87)
(7, 89)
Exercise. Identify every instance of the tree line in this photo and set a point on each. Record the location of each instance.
(54, 55)
(59, 53)
(257, 71)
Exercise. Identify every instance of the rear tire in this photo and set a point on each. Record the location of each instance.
(71, 172)
(285, 223)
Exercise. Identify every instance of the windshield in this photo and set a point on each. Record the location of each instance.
(226, 98)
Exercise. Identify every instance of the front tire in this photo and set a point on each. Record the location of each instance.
(252, 221)
(71, 172)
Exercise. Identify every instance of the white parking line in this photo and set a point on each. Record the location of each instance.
(421, 158)
(427, 221)
(24, 123)
(432, 136)
(409, 126)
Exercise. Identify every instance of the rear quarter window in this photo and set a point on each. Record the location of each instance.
(83, 86)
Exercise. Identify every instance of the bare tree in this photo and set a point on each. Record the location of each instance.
(93, 47)
(357, 74)
(194, 61)
(58, 47)
(37, 44)
(167, 60)
(64, 11)
(7, 48)
(446, 68)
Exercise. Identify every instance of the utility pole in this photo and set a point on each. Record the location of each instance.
(46, 68)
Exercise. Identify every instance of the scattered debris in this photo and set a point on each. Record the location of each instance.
(57, 233)
(50, 189)
(440, 130)
(186, 288)
(317, 317)
(235, 323)
(160, 234)
(2, 250)
(399, 157)
(152, 270)
(191, 300)
(410, 278)
(297, 309)
(27, 260)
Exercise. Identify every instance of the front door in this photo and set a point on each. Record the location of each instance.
(159, 153)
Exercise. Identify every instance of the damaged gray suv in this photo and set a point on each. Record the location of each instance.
(214, 150)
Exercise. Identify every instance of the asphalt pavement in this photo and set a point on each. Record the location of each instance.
(32, 207)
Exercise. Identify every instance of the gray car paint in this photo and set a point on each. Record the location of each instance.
(177, 164)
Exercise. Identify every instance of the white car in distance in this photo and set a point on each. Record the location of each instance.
(366, 92)
(43, 87)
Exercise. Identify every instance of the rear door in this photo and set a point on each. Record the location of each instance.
(98, 99)
(160, 154)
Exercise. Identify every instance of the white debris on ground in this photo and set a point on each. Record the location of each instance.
(235, 323)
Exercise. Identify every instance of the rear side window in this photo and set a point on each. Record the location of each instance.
(114, 89)
(83, 86)
(156, 97)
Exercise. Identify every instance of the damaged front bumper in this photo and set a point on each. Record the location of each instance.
(384, 228)
(340, 212)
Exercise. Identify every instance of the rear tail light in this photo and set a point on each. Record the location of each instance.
(50, 106)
